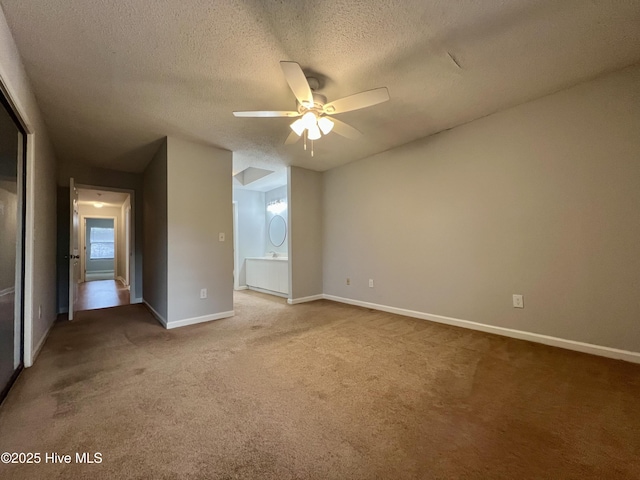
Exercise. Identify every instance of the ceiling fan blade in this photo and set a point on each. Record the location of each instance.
(298, 82)
(345, 129)
(358, 101)
(292, 138)
(266, 114)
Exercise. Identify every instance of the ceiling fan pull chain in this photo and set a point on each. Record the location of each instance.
(305, 139)
(312, 148)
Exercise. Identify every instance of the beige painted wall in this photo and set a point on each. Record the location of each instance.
(305, 232)
(41, 213)
(154, 220)
(199, 208)
(541, 200)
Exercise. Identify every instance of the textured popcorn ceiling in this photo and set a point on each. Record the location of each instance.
(114, 76)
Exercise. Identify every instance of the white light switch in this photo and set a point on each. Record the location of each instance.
(221, 237)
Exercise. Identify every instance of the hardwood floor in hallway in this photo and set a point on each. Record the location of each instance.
(102, 294)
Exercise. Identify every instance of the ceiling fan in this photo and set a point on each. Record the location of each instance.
(314, 111)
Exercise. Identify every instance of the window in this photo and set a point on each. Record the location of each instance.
(101, 243)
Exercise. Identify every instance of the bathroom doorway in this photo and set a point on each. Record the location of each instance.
(261, 238)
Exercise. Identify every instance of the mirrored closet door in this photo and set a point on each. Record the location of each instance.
(12, 149)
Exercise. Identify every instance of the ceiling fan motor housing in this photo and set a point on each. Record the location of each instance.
(318, 102)
(314, 83)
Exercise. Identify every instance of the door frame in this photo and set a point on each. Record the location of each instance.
(236, 253)
(127, 244)
(25, 197)
(133, 279)
(17, 106)
(83, 244)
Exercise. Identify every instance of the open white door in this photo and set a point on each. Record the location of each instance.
(74, 247)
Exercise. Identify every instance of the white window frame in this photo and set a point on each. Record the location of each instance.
(83, 241)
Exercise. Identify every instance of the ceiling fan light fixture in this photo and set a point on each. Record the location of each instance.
(309, 120)
(325, 124)
(313, 109)
(298, 126)
(314, 133)
(98, 204)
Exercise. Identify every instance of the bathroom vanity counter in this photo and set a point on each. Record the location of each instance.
(268, 273)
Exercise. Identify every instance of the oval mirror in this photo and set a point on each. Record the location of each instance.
(277, 230)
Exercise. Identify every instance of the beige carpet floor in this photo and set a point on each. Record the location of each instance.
(317, 391)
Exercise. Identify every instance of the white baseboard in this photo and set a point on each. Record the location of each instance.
(195, 320)
(270, 292)
(599, 350)
(99, 275)
(294, 301)
(36, 351)
(242, 287)
(155, 314)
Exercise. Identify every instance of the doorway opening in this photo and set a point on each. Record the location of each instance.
(102, 263)
(260, 232)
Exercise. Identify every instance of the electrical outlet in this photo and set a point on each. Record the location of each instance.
(518, 301)
(203, 293)
(371, 283)
(221, 237)
(348, 281)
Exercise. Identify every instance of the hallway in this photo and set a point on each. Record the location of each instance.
(102, 294)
